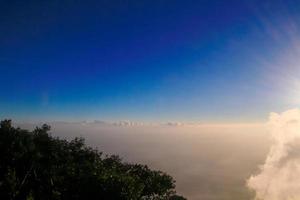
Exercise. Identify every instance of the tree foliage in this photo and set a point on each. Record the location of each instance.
(34, 165)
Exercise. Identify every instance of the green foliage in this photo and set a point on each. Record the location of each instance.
(34, 165)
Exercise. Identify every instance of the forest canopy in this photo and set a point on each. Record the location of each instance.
(34, 165)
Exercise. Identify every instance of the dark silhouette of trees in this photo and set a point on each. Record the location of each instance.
(35, 165)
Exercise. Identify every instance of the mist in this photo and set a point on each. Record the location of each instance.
(210, 162)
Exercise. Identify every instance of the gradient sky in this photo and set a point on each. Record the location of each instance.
(212, 61)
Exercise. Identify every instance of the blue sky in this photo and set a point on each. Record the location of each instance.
(212, 61)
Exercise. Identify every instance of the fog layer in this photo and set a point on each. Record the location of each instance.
(209, 162)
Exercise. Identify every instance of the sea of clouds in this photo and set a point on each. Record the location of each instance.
(208, 161)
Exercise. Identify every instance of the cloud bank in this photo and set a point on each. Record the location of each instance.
(280, 174)
(208, 161)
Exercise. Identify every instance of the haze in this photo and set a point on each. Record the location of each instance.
(210, 162)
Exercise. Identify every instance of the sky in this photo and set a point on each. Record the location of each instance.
(148, 61)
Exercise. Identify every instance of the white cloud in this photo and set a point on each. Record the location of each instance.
(280, 174)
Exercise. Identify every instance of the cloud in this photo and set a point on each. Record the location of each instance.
(174, 124)
(120, 123)
(280, 174)
(208, 161)
(127, 123)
